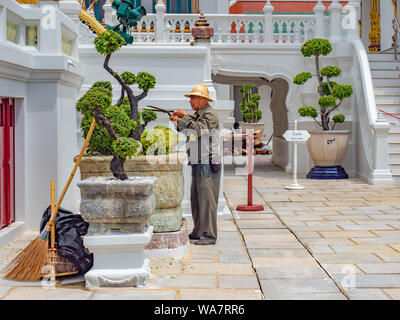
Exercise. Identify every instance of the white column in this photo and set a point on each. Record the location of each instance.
(387, 15)
(3, 24)
(108, 13)
(319, 11)
(50, 30)
(354, 14)
(268, 27)
(381, 173)
(160, 24)
(70, 8)
(335, 14)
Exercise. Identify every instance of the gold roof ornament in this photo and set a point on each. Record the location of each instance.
(200, 90)
(202, 32)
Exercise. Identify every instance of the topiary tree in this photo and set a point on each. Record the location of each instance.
(249, 106)
(106, 44)
(159, 141)
(111, 135)
(330, 93)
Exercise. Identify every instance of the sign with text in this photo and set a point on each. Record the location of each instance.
(296, 135)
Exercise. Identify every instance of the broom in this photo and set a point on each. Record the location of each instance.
(28, 264)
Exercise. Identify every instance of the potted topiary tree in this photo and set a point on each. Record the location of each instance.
(155, 154)
(327, 148)
(249, 109)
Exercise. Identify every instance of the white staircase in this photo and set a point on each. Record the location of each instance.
(385, 72)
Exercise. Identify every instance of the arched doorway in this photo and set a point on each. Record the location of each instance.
(273, 105)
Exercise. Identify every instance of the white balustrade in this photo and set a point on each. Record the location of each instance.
(240, 29)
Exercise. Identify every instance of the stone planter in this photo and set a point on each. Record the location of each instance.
(328, 149)
(108, 204)
(168, 190)
(117, 212)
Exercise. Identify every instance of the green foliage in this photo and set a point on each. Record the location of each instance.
(106, 86)
(145, 81)
(159, 141)
(125, 147)
(327, 101)
(307, 111)
(330, 93)
(148, 115)
(331, 71)
(316, 47)
(93, 98)
(325, 87)
(302, 78)
(100, 141)
(129, 78)
(338, 118)
(108, 42)
(249, 105)
(342, 91)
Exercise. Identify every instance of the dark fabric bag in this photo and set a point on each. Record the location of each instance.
(70, 228)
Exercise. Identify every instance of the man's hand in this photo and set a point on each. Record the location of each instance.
(179, 113)
(174, 118)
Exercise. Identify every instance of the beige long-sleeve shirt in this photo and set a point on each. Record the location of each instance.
(205, 128)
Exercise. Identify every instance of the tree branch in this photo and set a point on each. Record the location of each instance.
(105, 123)
(121, 99)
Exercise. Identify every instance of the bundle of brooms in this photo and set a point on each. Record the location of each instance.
(39, 260)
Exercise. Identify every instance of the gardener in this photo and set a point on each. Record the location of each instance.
(205, 162)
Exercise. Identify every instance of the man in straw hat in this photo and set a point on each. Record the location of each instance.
(204, 159)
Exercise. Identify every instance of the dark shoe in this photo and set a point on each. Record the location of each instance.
(205, 242)
(193, 237)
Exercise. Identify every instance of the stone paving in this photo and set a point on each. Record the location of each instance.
(334, 240)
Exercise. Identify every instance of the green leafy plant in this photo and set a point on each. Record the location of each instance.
(106, 44)
(330, 93)
(159, 140)
(111, 135)
(249, 105)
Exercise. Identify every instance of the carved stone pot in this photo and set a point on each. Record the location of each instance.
(118, 213)
(170, 238)
(108, 204)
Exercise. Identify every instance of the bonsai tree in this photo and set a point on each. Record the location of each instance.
(106, 44)
(330, 93)
(249, 105)
(112, 132)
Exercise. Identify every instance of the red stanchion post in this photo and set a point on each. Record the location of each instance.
(249, 206)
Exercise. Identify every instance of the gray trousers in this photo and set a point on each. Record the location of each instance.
(204, 194)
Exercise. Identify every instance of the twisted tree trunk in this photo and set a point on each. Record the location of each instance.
(117, 163)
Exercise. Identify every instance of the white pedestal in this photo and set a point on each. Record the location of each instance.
(119, 259)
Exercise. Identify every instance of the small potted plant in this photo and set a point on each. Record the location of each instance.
(328, 147)
(249, 109)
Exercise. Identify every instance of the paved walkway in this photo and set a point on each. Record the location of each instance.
(332, 240)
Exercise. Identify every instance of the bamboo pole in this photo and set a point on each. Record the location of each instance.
(78, 161)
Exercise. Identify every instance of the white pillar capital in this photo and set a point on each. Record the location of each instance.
(335, 10)
(319, 11)
(268, 7)
(69, 7)
(268, 26)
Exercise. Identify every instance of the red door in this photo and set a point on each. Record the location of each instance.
(7, 175)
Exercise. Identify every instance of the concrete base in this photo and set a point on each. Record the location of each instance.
(169, 244)
(119, 259)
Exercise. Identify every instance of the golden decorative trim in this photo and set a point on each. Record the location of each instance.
(375, 30)
(92, 22)
(28, 1)
(195, 6)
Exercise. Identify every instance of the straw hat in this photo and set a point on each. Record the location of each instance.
(200, 90)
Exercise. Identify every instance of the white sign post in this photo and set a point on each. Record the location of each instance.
(295, 136)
